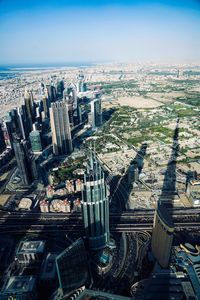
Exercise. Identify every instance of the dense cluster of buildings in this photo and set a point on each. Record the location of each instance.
(72, 268)
(69, 274)
(30, 130)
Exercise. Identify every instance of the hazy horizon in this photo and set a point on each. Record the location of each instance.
(59, 32)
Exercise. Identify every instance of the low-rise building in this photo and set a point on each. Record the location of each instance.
(193, 192)
(77, 205)
(19, 287)
(44, 206)
(70, 186)
(25, 204)
(58, 205)
(30, 252)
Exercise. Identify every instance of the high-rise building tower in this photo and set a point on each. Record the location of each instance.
(35, 139)
(26, 122)
(60, 89)
(51, 92)
(162, 235)
(68, 99)
(22, 158)
(81, 84)
(9, 130)
(95, 205)
(29, 103)
(72, 267)
(79, 114)
(60, 128)
(45, 106)
(96, 113)
(21, 123)
(17, 121)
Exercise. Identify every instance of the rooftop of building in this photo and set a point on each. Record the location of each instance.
(31, 246)
(49, 267)
(22, 284)
(72, 267)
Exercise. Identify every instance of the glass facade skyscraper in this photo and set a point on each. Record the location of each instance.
(60, 128)
(23, 161)
(95, 205)
(72, 267)
(96, 113)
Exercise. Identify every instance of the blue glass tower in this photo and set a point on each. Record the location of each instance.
(95, 205)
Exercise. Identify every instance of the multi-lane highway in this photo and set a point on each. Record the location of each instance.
(127, 221)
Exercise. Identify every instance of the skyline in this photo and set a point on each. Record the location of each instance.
(99, 150)
(104, 31)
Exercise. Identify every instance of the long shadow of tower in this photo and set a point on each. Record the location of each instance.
(169, 183)
(163, 227)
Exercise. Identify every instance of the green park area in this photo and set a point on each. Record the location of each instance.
(66, 170)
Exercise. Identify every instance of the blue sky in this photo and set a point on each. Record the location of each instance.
(83, 31)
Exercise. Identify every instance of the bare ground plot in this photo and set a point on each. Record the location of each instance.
(138, 102)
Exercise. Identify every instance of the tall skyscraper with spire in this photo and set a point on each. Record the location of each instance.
(95, 205)
(60, 128)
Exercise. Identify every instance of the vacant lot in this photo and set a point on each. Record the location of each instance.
(138, 102)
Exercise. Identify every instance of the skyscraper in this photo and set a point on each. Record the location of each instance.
(51, 91)
(71, 93)
(45, 106)
(10, 129)
(68, 99)
(17, 121)
(162, 235)
(35, 139)
(21, 123)
(95, 205)
(60, 128)
(23, 160)
(29, 103)
(72, 267)
(81, 84)
(26, 122)
(79, 113)
(60, 89)
(96, 113)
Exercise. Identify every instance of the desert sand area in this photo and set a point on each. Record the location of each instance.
(138, 102)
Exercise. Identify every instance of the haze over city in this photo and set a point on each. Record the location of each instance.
(42, 32)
